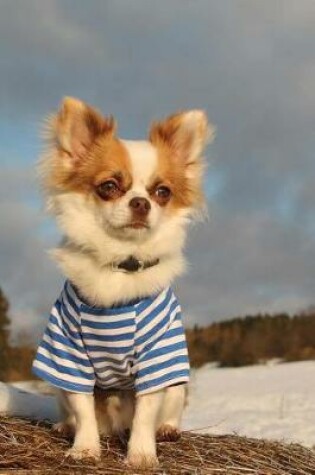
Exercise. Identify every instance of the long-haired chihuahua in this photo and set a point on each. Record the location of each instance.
(114, 345)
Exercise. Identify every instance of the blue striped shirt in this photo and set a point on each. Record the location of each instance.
(141, 345)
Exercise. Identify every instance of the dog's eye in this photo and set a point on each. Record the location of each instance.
(108, 189)
(162, 194)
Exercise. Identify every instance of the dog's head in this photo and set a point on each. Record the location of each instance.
(128, 189)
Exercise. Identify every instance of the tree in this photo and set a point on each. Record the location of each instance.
(4, 336)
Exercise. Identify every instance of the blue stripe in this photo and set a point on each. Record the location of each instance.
(115, 351)
(63, 340)
(122, 385)
(108, 325)
(66, 316)
(108, 359)
(118, 377)
(94, 310)
(64, 327)
(64, 369)
(62, 384)
(162, 323)
(64, 354)
(163, 351)
(121, 371)
(61, 306)
(172, 332)
(167, 379)
(168, 364)
(107, 310)
(155, 311)
(143, 305)
(63, 324)
(110, 338)
(147, 336)
(69, 298)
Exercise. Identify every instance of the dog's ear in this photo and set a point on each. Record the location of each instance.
(186, 133)
(76, 127)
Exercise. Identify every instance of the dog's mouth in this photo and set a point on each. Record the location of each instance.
(137, 225)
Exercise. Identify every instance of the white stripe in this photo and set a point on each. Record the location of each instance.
(65, 362)
(164, 384)
(61, 317)
(72, 294)
(159, 299)
(169, 341)
(123, 365)
(160, 359)
(53, 327)
(108, 372)
(156, 320)
(119, 357)
(108, 344)
(109, 318)
(108, 331)
(68, 378)
(157, 374)
(160, 332)
(66, 304)
(61, 346)
(113, 380)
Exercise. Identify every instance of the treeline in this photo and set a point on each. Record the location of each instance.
(4, 336)
(254, 339)
(15, 361)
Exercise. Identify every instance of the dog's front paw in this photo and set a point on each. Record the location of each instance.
(78, 452)
(142, 460)
(167, 433)
(64, 429)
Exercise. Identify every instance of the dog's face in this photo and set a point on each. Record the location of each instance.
(129, 188)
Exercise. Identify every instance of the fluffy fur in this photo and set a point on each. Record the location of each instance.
(114, 198)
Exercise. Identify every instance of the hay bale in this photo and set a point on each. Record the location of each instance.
(28, 448)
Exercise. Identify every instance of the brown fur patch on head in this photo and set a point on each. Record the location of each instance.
(180, 140)
(83, 150)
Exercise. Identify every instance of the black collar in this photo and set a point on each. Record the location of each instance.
(132, 265)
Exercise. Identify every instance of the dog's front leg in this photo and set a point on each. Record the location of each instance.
(171, 412)
(87, 440)
(142, 445)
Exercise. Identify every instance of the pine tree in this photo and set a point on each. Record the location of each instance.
(4, 336)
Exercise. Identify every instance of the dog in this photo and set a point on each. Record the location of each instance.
(114, 345)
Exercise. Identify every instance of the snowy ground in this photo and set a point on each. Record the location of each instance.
(273, 401)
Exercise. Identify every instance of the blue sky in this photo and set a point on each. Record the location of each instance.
(249, 63)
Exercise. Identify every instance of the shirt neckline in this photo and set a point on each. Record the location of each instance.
(115, 309)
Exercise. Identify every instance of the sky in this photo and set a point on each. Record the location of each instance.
(249, 63)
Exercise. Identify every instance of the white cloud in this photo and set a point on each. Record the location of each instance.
(248, 63)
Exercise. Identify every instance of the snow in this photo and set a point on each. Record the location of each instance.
(272, 401)
(21, 403)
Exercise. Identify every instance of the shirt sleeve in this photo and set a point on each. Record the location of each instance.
(166, 362)
(61, 358)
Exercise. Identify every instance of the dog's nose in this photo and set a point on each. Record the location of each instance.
(140, 205)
